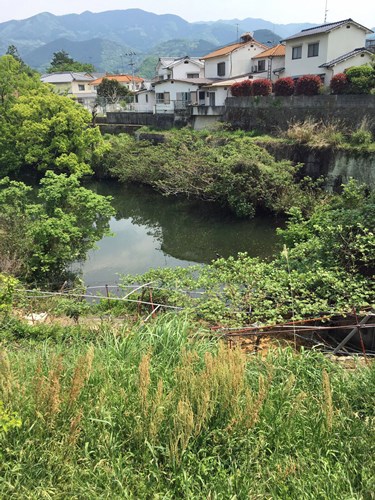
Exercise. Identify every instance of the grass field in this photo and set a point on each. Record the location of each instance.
(162, 411)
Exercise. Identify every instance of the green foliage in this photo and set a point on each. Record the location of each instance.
(62, 62)
(8, 421)
(361, 79)
(7, 288)
(214, 166)
(340, 234)
(43, 238)
(40, 129)
(161, 411)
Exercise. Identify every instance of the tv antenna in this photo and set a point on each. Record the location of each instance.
(326, 12)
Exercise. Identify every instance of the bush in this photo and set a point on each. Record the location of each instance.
(362, 136)
(242, 89)
(339, 84)
(284, 86)
(236, 89)
(361, 79)
(262, 87)
(247, 88)
(308, 85)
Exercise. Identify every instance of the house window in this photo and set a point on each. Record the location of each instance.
(81, 87)
(163, 98)
(183, 96)
(297, 52)
(192, 75)
(146, 98)
(262, 65)
(313, 50)
(221, 69)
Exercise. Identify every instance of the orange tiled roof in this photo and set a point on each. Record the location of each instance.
(230, 48)
(277, 51)
(119, 78)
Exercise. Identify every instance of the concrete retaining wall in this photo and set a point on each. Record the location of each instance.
(271, 113)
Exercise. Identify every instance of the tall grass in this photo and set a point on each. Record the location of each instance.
(161, 411)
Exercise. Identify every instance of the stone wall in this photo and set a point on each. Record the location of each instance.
(271, 113)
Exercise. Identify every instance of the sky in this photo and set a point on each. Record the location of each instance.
(277, 11)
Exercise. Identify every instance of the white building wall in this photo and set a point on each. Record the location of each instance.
(181, 70)
(210, 67)
(146, 102)
(357, 60)
(242, 59)
(174, 87)
(343, 40)
(306, 65)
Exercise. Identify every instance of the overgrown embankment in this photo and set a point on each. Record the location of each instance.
(225, 167)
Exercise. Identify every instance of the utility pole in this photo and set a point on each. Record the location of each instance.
(132, 63)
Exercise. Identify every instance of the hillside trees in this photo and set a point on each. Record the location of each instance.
(61, 61)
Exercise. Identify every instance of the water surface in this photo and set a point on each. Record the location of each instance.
(154, 231)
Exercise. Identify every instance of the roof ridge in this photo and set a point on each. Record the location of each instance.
(327, 24)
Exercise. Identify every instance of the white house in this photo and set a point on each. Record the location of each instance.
(270, 63)
(72, 84)
(179, 68)
(173, 95)
(326, 50)
(233, 60)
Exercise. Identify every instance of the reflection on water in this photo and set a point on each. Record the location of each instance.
(153, 231)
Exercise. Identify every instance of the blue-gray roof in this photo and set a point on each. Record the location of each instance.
(344, 57)
(66, 77)
(326, 28)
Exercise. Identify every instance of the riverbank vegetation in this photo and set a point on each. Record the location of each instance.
(327, 266)
(224, 167)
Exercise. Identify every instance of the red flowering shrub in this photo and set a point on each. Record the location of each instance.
(339, 84)
(284, 86)
(262, 86)
(236, 89)
(240, 89)
(308, 85)
(247, 87)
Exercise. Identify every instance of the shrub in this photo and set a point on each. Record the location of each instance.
(284, 86)
(262, 87)
(308, 85)
(247, 88)
(339, 84)
(361, 79)
(362, 136)
(236, 89)
(242, 89)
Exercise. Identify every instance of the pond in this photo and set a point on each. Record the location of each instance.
(150, 231)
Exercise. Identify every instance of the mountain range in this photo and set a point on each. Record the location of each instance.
(106, 39)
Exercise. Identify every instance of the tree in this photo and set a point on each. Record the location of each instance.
(39, 240)
(63, 62)
(111, 91)
(41, 129)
